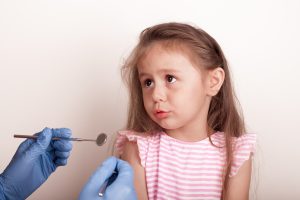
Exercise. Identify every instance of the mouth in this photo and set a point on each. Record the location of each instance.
(161, 114)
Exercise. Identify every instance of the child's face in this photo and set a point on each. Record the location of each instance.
(174, 89)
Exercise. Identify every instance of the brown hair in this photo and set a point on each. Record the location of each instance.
(223, 114)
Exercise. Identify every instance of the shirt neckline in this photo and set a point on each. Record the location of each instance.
(185, 142)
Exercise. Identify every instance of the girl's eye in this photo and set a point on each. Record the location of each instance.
(171, 79)
(147, 83)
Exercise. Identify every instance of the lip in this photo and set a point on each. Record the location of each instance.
(160, 114)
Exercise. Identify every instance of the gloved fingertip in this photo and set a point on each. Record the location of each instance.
(62, 132)
(103, 172)
(111, 161)
(124, 167)
(62, 154)
(45, 136)
(61, 162)
(68, 146)
(63, 145)
(66, 130)
(46, 130)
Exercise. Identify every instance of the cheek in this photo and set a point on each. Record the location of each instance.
(146, 102)
(183, 96)
(187, 99)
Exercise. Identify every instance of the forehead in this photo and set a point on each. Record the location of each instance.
(166, 57)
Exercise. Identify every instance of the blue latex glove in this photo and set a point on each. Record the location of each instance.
(33, 163)
(121, 189)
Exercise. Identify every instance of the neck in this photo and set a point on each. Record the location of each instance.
(190, 134)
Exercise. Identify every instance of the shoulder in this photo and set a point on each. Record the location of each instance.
(244, 145)
(130, 152)
(245, 139)
(134, 145)
(127, 136)
(243, 149)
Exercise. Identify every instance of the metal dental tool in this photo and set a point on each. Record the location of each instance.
(101, 138)
(107, 182)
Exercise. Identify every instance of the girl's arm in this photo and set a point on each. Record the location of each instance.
(238, 186)
(131, 155)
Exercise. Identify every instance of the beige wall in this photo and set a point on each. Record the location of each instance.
(59, 67)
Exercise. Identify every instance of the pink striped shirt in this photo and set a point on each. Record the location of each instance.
(186, 170)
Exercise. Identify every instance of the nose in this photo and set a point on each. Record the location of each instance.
(159, 94)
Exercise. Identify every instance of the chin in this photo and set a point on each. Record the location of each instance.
(167, 126)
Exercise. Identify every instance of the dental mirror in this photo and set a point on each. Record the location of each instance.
(100, 140)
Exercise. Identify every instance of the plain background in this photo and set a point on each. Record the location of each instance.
(60, 67)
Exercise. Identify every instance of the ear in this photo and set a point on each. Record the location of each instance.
(215, 81)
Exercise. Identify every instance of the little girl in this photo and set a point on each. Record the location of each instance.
(185, 138)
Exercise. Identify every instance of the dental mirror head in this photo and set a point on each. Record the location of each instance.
(101, 139)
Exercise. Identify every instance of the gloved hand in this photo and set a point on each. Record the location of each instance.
(121, 189)
(33, 163)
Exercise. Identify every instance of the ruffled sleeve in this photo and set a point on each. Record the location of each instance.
(243, 149)
(142, 143)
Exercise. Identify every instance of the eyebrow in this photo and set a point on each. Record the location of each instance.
(171, 71)
(142, 74)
